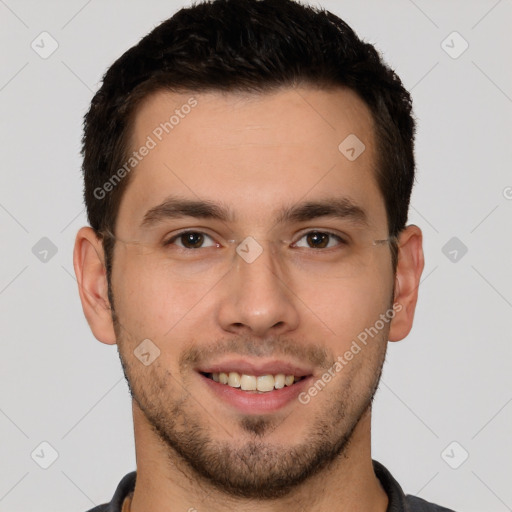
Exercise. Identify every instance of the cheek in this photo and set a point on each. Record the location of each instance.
(149, 300)
(347, 307)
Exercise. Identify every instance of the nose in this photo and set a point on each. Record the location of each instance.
(257, 297)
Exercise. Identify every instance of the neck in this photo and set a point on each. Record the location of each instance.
(165, 482)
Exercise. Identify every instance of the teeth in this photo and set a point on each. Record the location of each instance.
(265, 383)
(279, 381)
(234, 380)
(248, 382)
(262, 383)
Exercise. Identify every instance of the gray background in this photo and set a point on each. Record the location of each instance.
(449, 381)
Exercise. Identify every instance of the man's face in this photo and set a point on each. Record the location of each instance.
(289, 301)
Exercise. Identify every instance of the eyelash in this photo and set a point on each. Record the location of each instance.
(340, 239)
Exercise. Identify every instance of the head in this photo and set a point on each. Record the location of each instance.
(244, 104)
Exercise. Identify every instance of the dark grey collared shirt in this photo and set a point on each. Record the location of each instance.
(398, 501)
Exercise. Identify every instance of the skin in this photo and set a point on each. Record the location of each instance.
(256, 154)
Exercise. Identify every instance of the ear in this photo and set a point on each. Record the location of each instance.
(408, 273)
(88, 262)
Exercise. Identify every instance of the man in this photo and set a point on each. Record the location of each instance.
(248, 168)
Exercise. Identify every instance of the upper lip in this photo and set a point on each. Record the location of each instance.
(257, 368)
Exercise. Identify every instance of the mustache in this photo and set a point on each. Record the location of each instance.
(249, 346)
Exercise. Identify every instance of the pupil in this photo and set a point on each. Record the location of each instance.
(193, 239)
(315, 236)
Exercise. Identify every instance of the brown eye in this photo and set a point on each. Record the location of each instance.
(190, 240)
(320, 239)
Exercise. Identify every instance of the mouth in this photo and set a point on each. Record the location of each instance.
(254, 383)
(252, 387)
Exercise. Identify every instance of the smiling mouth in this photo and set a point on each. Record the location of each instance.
(254, 383)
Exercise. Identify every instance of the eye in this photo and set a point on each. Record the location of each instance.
(191, 240)
(320, 240)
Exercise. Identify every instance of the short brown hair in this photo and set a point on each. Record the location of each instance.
(246, 46)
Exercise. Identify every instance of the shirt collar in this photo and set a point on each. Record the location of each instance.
(396, 496)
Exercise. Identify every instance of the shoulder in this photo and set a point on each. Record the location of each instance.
(416, 504)
(398, 500)
(125, 487)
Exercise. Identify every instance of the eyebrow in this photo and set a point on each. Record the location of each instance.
(175, 207)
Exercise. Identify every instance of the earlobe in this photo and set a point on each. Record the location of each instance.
(88, 262)
(408, 274)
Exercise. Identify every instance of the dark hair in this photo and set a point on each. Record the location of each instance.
(246, 46)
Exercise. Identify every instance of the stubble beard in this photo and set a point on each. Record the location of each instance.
(253, 468)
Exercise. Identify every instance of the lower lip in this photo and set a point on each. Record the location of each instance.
(256, 403)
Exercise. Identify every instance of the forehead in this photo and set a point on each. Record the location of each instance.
(253, 152)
